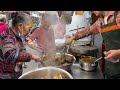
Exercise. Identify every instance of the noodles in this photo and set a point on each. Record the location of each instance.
(57, 76)
(58, 60)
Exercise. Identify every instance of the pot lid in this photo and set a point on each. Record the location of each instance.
(84, 49)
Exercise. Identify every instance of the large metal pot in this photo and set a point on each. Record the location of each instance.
(47, 73)
(83, 50)
(88, 66)
(79, 51)
(66, 67)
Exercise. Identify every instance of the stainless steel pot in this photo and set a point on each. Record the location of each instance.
(79, 51)
(87, 66)
(65, 67)
(83, 50)
(47, 73)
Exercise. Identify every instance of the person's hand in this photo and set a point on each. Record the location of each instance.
(67, 36)
(68, 41)
(36, 58)
(31, 44)
(112, 55)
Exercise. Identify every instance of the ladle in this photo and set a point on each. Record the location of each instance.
(98, 59)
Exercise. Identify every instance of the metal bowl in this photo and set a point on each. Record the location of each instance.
(66, 67)
(47, 73)
(87, 66)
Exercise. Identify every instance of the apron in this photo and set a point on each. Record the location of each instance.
(111, 36)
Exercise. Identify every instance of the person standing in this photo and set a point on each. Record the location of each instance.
(44, 34)
(108, 24)
(12, 51)
(3, 25)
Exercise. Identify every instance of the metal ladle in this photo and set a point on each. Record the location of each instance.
(63, 52)
(98, 59)
(68, 47)
(67, 50)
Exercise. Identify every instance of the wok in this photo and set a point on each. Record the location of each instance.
(66, 66)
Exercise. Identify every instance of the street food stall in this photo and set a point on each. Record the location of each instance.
(76, 61)
(70, 62)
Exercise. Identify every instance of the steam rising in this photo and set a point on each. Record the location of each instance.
(58, 34)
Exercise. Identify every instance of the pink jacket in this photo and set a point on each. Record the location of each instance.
(3, 27)
(44, 38)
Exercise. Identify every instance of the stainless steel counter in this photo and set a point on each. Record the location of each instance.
(78, 73)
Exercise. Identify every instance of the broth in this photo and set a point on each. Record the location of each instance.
(88, 59)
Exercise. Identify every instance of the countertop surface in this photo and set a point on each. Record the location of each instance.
(78, 73)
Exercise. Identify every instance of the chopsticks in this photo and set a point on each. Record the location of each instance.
(76, 29)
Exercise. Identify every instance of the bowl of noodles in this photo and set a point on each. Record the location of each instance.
(47, 73)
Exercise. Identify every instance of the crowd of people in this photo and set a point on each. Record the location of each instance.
(19, 29)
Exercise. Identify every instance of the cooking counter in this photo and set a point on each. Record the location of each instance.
(78, 73)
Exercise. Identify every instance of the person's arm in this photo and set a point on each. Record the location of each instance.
(12, 54)
(31, 38)
(93, 29)
(33, 35)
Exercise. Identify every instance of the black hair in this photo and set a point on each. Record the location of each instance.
(1, 20)
(27, 12)
(20, 17)
(13, 15)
